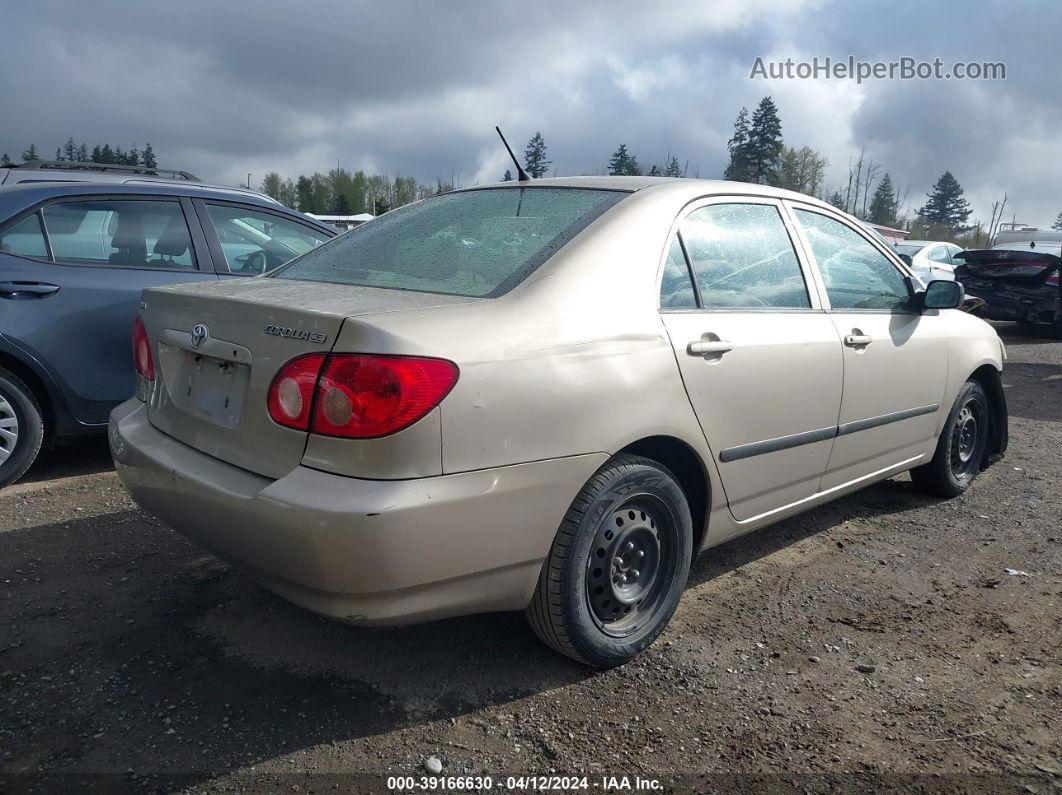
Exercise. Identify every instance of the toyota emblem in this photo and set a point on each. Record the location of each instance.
(199, 335)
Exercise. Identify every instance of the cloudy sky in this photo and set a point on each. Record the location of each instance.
(226, 88)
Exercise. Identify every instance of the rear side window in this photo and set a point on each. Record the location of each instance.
(742, 258)
(676, 288)
(119, 232)
(26, 239)
(474, 243)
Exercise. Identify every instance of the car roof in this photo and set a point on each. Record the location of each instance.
(15, 197)
(14, 177)
(672, 185)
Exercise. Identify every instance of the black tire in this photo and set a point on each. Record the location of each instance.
(19, 415)
(961, 446)
(618, 565)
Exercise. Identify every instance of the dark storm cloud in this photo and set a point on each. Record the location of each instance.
(226, 88)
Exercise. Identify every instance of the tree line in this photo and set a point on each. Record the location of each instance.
(757, 153)
(79, 153)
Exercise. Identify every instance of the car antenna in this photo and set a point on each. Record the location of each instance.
(522, 175)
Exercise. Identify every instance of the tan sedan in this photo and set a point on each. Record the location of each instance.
(549, 396)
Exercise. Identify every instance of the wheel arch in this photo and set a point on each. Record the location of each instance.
(686, 465)
(32, 379)
(988, 376)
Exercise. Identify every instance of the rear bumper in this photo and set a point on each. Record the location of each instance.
(365, 551)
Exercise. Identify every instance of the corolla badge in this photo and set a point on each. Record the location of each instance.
(295, 334)
(199, 335)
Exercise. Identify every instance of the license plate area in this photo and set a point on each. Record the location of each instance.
(206, 387)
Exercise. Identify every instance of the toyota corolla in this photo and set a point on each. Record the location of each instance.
(549, 396)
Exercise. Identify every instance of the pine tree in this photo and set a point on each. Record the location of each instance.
(617, 164)
(673, 168)
(30, 154)
(82, 153)
(535, 162)
(148, 156)
(765, 143)
(5, 161)
(738, 168)
(70, 150)
(884, 205)
(58, 153)
(97, 154)
(133, 158)
(106, 154)
(508, 176)
(946, 206)
(836, 199)
(1056, 225)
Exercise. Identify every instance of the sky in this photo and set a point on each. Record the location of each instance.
(415, 87)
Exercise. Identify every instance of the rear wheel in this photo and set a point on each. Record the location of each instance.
(961, 447)
(618, 565)
(21, 428)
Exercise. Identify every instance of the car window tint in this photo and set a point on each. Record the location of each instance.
(475, 243)
(857, 275)
(743, 258)
(676, 287)
(120, 233)
(25, 238)
(254, 242)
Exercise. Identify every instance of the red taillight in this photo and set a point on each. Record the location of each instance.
(361, 396)
(145, 364)
(291, 393)
(358, 396)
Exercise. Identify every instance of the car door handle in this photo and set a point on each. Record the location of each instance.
(709, 347)
(27, 289)
(857, 340)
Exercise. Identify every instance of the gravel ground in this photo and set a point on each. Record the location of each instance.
(878, 642)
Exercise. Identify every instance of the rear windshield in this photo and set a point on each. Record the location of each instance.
(474, 243)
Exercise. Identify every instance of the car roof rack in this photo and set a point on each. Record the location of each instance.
(76, 165)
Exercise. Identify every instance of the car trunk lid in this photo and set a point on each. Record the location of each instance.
(218, 347)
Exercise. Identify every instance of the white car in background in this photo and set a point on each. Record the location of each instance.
(929, 259)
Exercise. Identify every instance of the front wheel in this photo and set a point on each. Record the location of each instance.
(960, 448)
(618, 565)
(21, 428)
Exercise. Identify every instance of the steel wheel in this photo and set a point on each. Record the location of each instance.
(629, 568)
(965, 439)
(8, 429)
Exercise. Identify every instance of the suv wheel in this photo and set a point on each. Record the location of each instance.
(961, 447)
(618, 565)
(21, 428)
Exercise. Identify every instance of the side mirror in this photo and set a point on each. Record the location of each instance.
(943, 294)
(907, 260)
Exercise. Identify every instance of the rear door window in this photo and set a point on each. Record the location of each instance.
(25, 238)
(124, 233)
(676, 287)
(742, 258)
(474, 243)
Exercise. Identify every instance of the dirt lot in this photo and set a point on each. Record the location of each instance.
(131, 660)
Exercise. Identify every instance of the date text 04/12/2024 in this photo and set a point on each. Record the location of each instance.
(522, 783)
